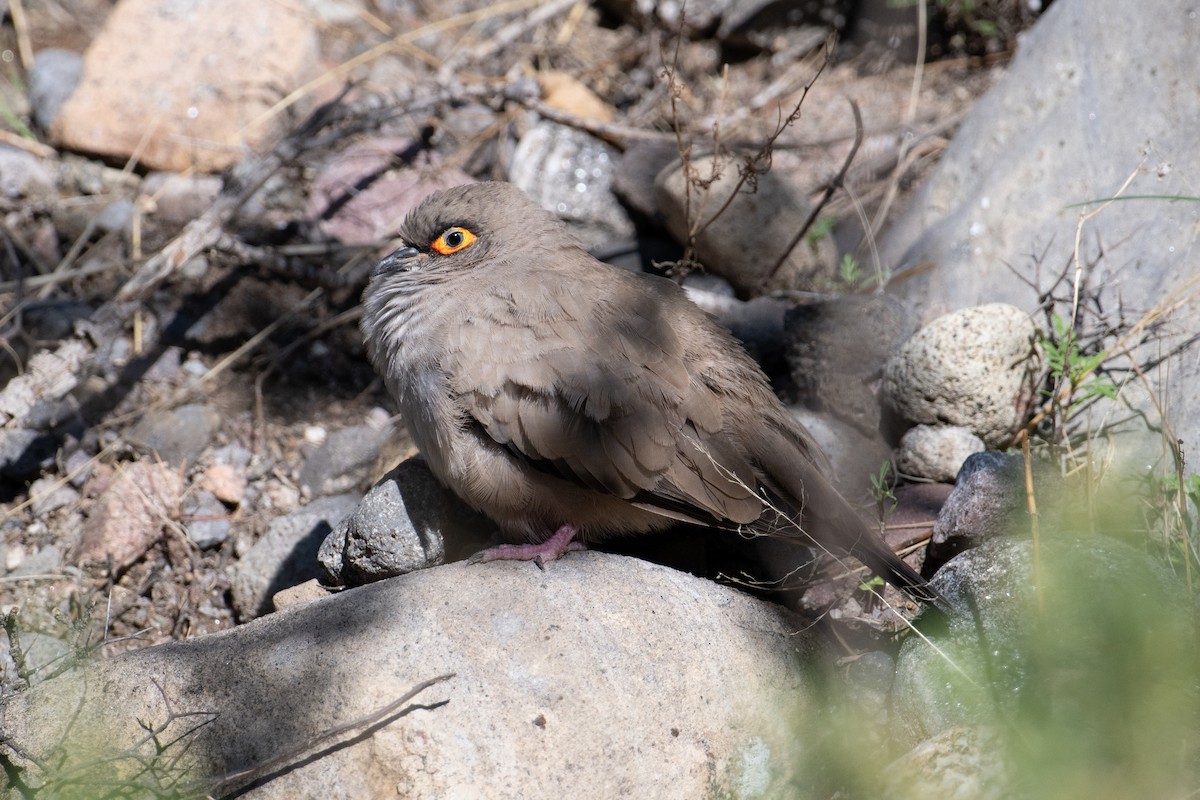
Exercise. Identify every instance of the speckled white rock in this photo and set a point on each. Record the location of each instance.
(603, 676)
(570, 173)
(970, 368)
(936, 452)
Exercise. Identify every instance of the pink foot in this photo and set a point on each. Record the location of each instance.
(563, 541)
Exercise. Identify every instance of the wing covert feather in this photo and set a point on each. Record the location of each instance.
(602, 396)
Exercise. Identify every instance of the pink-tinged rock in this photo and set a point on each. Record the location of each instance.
(130, 513)
(186, 85)
(226, 482)
(364, 193)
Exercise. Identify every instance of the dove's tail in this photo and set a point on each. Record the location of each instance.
(794, 468)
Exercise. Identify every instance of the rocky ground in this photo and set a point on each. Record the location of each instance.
(235, 392)
(192, 199)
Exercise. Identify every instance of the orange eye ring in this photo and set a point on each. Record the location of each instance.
(452, 240)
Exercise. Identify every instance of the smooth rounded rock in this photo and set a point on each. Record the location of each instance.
(835, 349)
(603, 676)
(24, 176)
(936, 452)
(1085, 111)
(853, 455)
(178, 435)
(341, 461)
(187, 85)
(988, 501)
(53, 75)
(407, 521)
(286, 555)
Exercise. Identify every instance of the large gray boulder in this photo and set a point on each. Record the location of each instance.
(1099, 90)
(602, 676)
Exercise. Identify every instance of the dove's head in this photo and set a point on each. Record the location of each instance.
(468, 226)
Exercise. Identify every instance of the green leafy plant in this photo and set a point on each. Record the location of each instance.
(881, 488)
(1074, 372)
(851, 274)
(872, 584)
(821, 228)
(850, 271)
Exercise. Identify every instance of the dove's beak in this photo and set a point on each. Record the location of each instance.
(400, 260)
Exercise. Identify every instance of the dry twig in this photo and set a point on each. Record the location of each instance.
(830, 188)
(365, 725)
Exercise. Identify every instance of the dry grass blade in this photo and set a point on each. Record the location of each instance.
(16, 10)
(1034, 523)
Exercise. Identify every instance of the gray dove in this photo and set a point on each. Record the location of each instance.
(569, 400)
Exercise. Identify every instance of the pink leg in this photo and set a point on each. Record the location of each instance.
(563, 541)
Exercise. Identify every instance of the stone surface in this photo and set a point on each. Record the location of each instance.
(129, 512)
(342, 462)
(49, 494)
(971, 368)
(299, 595)
(178, 435)
(936, 452)
(555, 691)
(758, 324)
(835, 350)
(226, 482)
(206, 519)
(25, 452)
(47, 560)
(1042, 635)
(286, 555)
(43, 654)
(363, 194)
(854, 456)
(633, 178)
(407, 521)
(960, 762)
(915, 509)
(988, 501)
(567, 93)
(570, 173)
(52, 78)
(1084, 105)
(23, 175)
(192, 81)
(179, 199)
(56, 318)
(734, 245)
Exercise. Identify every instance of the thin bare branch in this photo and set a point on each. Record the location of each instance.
(830, 188)
(365, 725)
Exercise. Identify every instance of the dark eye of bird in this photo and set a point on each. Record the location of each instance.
(454, 239)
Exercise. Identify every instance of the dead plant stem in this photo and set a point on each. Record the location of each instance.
(366, 724)
(1034, 526)
(830, 188)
